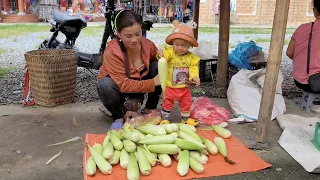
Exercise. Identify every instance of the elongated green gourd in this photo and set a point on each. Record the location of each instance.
(98, 147)
(163, 148)
(108, 151)
(151, 157)
(91, 167)
(201, 158)
(187, 137)
(115, 158)
(225, 133)
(183, 164)
(129, 145)
(163, 74)
(133, 169)
(141, 135)
(152, 129)
(212, 148)
(221, 145)
(132, 136)
(168, 127)
(165, 160)
(124, 159)
(196, 166)
(161, 139)
(144, 165)
(185, 128)
(102, 164)
(105, 141)
(185, 144)
(116, 142)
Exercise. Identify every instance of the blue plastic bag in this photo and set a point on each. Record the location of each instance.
(240, 56)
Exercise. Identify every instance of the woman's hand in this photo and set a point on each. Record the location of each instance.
(156, 80)
(159, 53)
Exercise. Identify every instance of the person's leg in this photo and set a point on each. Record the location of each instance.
(185, 104)
(110, 96)
(305, 87)
(153, 97)
(167, 105)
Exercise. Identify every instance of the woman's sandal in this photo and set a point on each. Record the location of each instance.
(191, 122)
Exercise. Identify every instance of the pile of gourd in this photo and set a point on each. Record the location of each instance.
(137, 149)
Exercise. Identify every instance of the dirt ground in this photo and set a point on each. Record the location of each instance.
(29, 130)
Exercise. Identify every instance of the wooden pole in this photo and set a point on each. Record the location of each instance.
(224, 28)
(196, 17)
(273, 67)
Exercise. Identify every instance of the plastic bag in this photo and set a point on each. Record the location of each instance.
(240, 56)
(207, 112)
(245, 93)
(135, 119)
(205, 50)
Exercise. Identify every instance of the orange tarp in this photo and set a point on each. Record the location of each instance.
(245, 159)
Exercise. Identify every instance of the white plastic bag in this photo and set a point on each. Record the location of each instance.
(205, 50)
(245, 92)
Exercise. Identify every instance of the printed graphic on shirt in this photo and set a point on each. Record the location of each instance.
(180, 75)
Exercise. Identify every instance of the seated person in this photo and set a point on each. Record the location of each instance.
(298, 50)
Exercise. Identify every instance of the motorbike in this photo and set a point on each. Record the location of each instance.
(71, 27)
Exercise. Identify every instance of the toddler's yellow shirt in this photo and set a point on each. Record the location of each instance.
(180, 67)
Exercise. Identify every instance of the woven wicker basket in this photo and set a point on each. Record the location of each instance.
(52, 76)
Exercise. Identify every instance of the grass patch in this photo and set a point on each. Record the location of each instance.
(14, 39)
(2, 51)
(4, 71)
(250, 30)
(21, 29)
(262, 40)
(208, 30)
(92, 31)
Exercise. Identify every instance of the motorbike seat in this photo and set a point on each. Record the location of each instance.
(67, 20)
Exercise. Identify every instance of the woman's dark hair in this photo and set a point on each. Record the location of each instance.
(316, 4)
(126, 18)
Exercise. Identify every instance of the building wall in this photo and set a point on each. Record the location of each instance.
(206, 12)
(261, 12)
